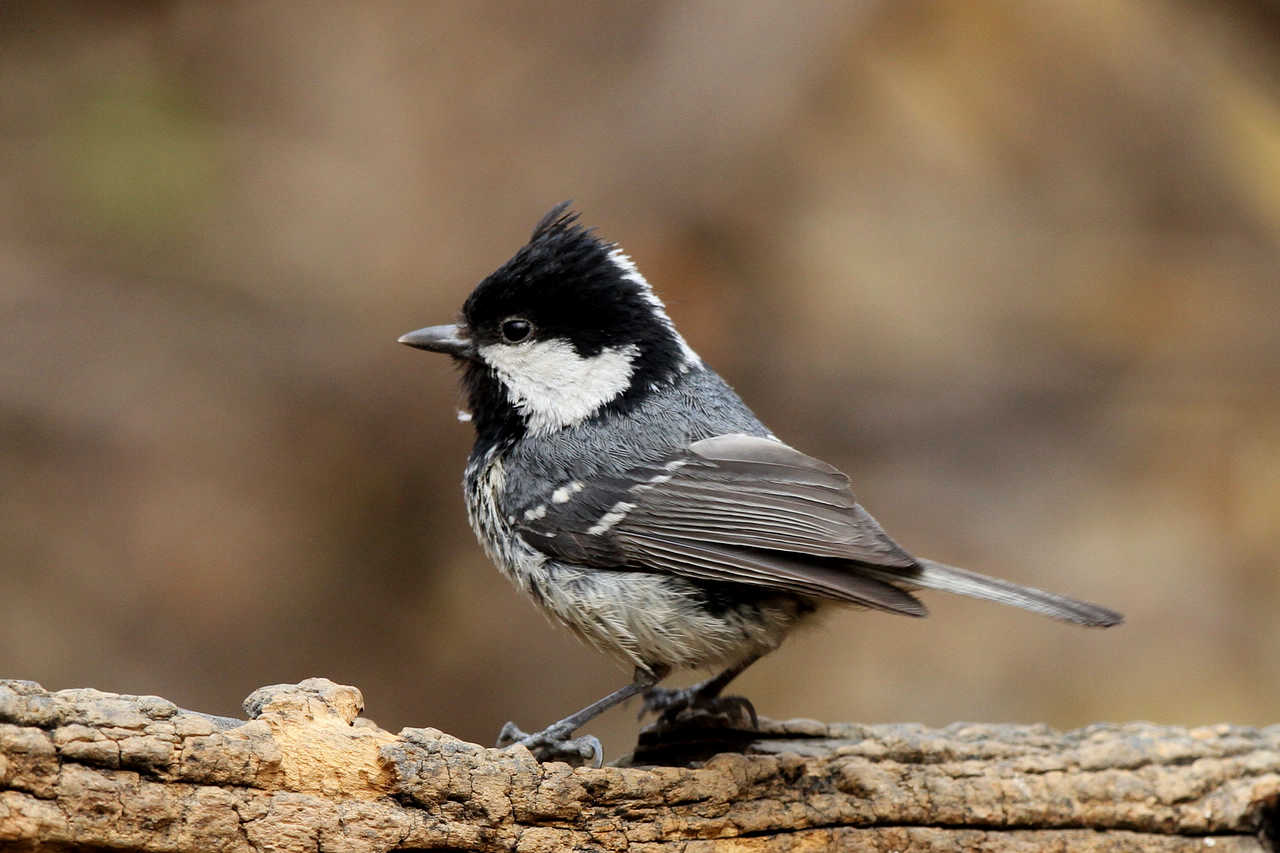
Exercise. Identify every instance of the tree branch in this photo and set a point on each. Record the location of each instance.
(81, 768)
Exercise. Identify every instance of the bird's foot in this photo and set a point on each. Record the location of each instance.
(687, 704)
(554, 744)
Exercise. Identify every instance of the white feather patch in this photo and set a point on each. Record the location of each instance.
(568, 490)
(615, 514)
(627, 267)
(553, 387)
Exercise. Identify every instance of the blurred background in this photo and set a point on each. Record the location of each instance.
(1015, 267)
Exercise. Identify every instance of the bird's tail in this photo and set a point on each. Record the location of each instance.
(935, 575)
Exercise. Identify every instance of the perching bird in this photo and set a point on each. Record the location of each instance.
(625, 487)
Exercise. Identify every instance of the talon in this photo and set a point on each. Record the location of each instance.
(589, 748)
(553, 744)
(509, 735)
(744, 706)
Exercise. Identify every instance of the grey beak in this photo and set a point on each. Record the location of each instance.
(447, 339)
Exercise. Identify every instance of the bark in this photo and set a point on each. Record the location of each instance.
(81, 769)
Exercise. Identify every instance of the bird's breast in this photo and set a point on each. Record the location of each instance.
(484, 485)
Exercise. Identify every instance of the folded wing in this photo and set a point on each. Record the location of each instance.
(743, 509)
(737, 509)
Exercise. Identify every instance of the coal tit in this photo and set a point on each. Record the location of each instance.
(624, 486)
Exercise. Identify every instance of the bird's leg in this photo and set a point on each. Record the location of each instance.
(554, 744)
(705, 696)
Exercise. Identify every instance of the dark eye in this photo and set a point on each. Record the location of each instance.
(516, 330)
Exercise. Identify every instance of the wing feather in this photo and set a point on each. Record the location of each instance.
(750, 510)
(777, 570)
(737, 509)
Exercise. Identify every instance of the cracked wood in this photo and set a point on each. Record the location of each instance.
(86, 768)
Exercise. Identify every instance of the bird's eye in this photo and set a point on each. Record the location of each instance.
(516, 330)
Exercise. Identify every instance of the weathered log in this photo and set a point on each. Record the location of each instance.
(81, 769)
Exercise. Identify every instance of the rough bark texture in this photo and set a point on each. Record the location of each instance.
(81, 769)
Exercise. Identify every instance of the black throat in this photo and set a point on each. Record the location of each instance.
(496, 421)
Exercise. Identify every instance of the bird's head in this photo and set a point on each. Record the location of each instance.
(563, 331)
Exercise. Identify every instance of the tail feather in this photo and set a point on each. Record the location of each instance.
(940, 576)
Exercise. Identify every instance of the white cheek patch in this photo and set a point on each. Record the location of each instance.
(553, 387)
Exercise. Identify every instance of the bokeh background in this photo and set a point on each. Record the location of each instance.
(1015, 267)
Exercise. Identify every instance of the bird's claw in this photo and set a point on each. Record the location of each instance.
(509, 735)
(669, 704)
(552, 744)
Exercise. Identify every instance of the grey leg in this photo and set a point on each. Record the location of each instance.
(553, 742)
(705, 695)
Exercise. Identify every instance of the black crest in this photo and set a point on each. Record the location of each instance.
(567, 282)
(559, 218)
(575, 287)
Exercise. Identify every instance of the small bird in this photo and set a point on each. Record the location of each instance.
(621, 483)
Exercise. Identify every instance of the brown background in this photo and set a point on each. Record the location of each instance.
(1013, 266)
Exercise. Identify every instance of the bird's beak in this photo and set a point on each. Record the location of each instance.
(448, 339)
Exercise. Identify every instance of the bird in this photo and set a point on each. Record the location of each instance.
(622, 484)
